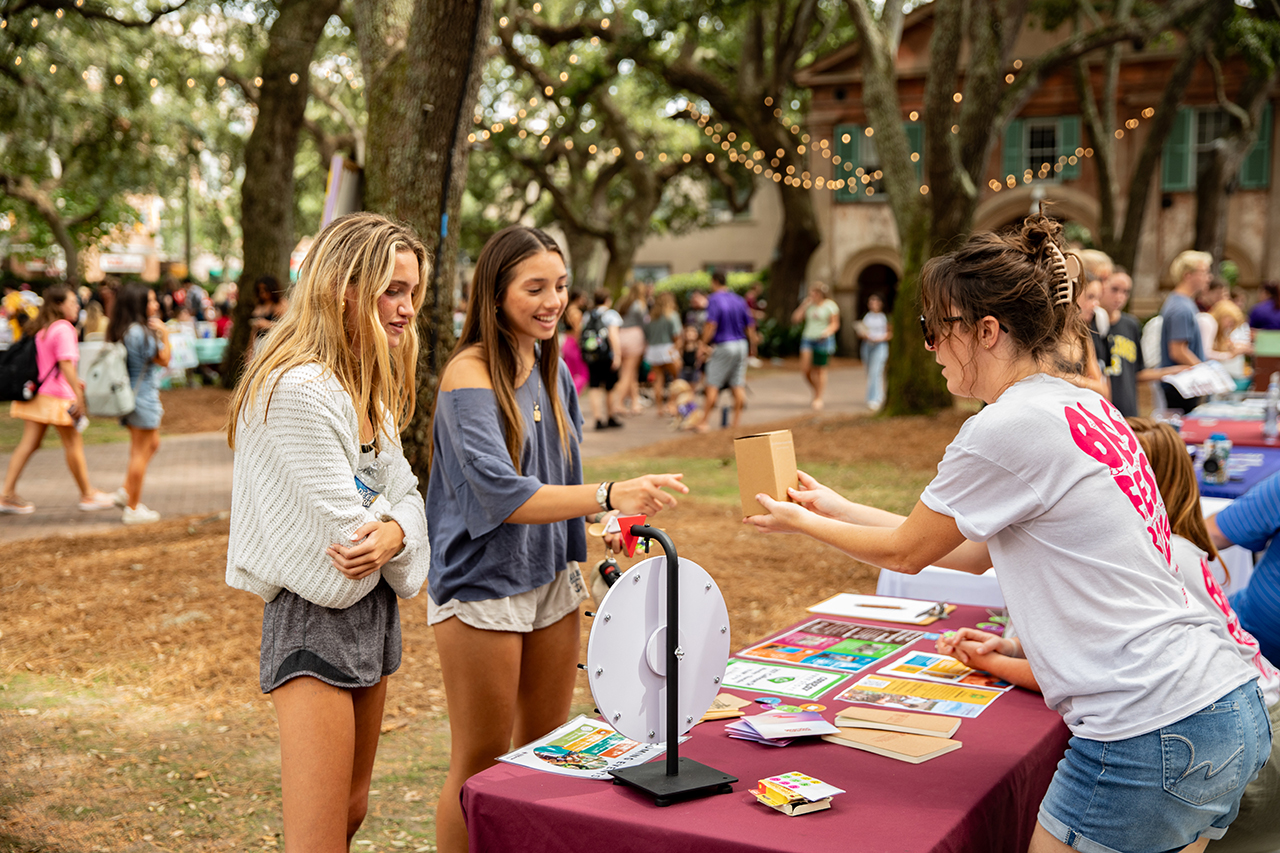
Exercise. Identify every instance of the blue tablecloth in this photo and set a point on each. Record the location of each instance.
(1247, 466)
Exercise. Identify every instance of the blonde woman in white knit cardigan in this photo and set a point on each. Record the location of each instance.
(327, 524)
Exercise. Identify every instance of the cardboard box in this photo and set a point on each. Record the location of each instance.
(766, 463)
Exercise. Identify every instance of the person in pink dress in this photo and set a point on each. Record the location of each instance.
(59, 402)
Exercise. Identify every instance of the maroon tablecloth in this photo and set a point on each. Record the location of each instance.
(1243, 433)
(982, 798)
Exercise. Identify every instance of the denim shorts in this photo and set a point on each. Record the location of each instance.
(147, 411)
(1163, 790)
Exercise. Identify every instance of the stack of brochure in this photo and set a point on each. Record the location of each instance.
(913, 738)
(795, 793)
(779, 728)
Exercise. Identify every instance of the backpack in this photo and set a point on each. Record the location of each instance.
(594, 339)
(107, 390)
(20, 378)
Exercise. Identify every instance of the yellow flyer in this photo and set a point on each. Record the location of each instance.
(950, 699)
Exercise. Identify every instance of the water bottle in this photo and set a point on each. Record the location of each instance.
(1217, 450)
(1270, 428)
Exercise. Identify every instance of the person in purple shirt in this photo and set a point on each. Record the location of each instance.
(1266, 314)
(725, 335)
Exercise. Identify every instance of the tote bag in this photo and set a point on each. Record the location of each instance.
(107, 390)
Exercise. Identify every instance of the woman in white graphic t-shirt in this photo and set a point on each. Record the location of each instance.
(1145, 681)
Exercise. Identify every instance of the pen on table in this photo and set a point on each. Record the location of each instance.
(884, 606)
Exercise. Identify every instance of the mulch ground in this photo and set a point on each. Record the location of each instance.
(144, 629)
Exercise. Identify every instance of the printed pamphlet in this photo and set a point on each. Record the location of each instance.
(725, 706)
(770, 679)
(795, 793)
(928, 666)
(930, 725)
(838, 646)
(585, 748)
(912, 749)
(951, 699)
(882, 608)
(780, 726)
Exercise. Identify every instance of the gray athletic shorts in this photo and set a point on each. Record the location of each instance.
(522, 612)
(347, 648)
(727, 367)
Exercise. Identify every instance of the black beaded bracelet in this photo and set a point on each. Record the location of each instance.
(608, 497)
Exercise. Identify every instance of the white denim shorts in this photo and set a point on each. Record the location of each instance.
(523, 612)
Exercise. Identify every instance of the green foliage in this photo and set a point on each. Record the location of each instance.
(1255, 38)
(681, 285)
(778, 339)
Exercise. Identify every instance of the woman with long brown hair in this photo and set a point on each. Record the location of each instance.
(506, 502)
(1154, 692)
(59, 402)
(135, 321)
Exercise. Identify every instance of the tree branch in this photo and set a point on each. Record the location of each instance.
(1220, 90)
(1136, 29)
(90, 11)
(251, 92)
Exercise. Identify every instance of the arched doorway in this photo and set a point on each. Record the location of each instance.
(877, 280)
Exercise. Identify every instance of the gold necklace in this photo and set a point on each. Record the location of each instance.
(537, 399)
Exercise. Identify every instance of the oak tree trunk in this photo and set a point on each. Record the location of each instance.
(266, 195)
(422, 65)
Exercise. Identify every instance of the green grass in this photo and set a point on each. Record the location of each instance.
(100, 431)
(878, 484)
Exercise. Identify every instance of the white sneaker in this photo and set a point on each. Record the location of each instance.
(141, 515)
(121, 497)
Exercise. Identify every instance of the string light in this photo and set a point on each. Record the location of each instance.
(751, 161)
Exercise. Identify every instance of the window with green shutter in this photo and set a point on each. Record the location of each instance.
(1255, 172)
(915, 138)
(848, 139)
(1045, 147)
(1013, 164)
(859, 161)
(1068, 141)
(1192, 138)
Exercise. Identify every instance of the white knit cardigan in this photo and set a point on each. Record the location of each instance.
(293, 495)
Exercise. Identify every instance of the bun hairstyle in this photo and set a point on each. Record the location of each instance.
(1022, 279)
(1176, 480)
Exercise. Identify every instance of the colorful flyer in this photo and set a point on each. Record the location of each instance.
(585, 748)
(838, 646)
(785, 680)
(952, 700)
(928, 666)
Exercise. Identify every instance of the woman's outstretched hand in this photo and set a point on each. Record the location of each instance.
(372, 546)
(645, 495)
(781, 516)
(818, 498)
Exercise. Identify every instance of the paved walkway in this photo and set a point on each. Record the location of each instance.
(191, 475)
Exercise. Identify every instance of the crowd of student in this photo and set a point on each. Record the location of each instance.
(140, 317)
(1202, 319)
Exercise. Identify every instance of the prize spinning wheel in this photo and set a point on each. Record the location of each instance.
(631, 654)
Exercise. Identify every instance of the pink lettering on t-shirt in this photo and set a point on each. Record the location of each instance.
(1107, 438)
(1234, 628)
